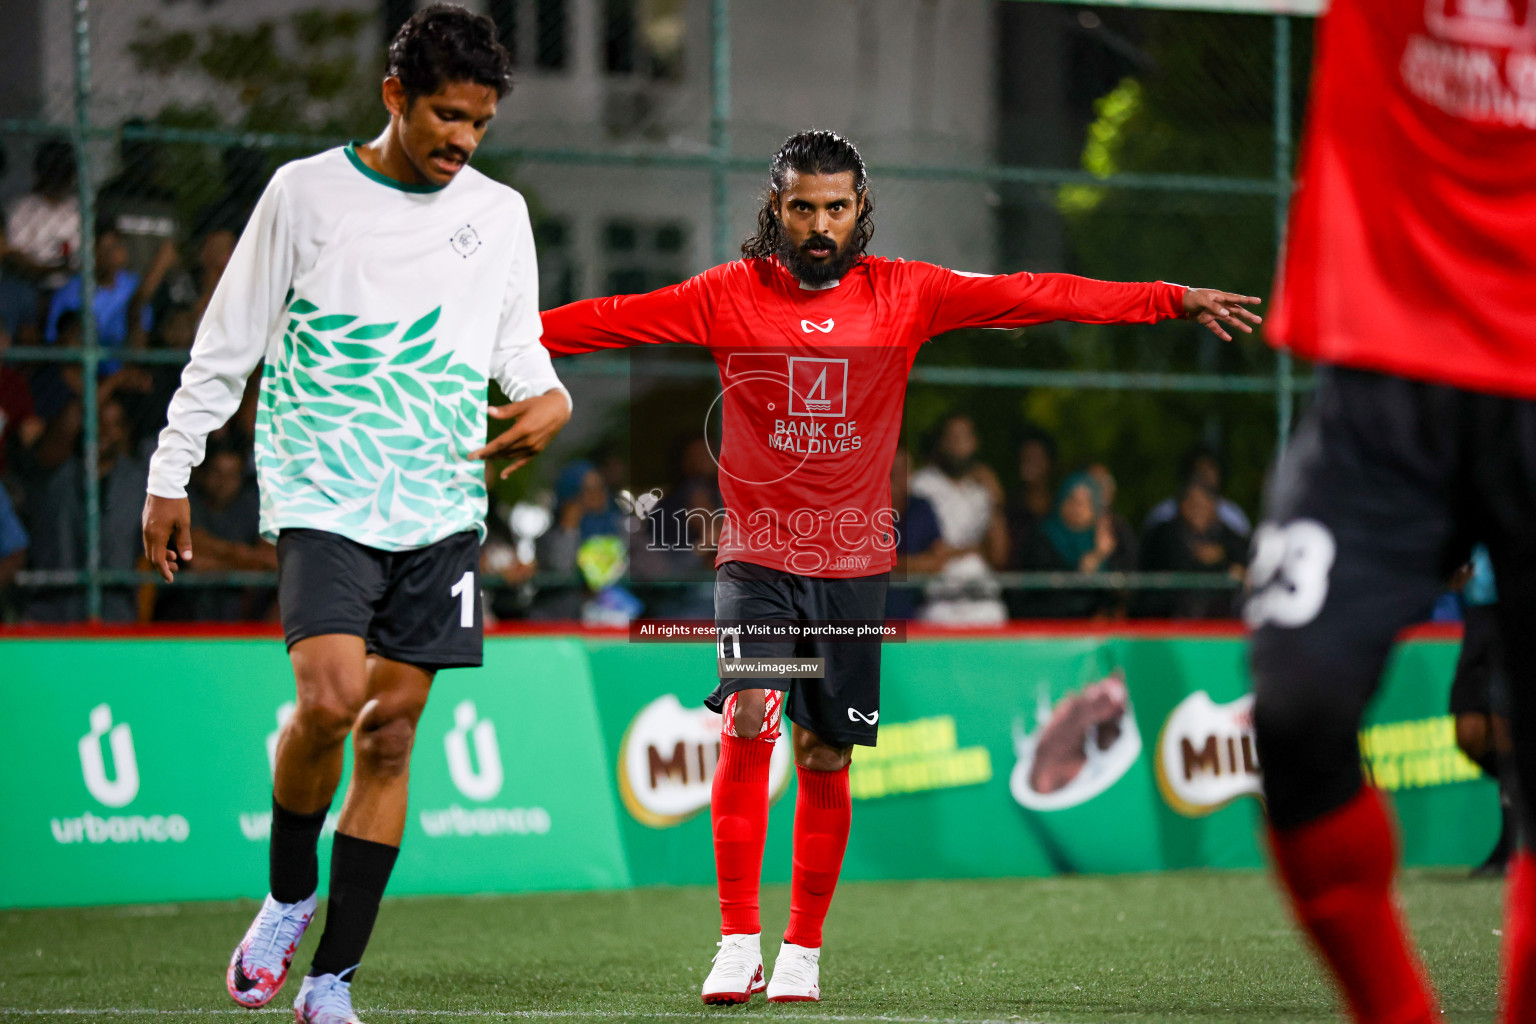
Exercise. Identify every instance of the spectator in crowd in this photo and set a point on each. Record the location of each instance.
(245, 174)
(226, 513)
(1077, 537)
(20, 426)
(57, 520)
(1196, 540)
(1033, 498)
(1201, 465)
(581, 504)
(59, 388)
(118, 295)
(1126, 542)
(135, 204)
(44, 224)
(193, 288)
(920, 549)
(18, 299)
(968, 502)
(13, 547)
(505, 557)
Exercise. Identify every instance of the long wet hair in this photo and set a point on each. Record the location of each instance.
(813, 152)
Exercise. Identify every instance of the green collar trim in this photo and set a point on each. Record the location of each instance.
(384, 179)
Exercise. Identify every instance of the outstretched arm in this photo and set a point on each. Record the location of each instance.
(241, 317)
(1022, 300)
(675, 315)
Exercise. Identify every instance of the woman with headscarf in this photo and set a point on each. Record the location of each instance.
(1076, 537)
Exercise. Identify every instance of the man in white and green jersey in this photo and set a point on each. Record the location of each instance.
(381, 286)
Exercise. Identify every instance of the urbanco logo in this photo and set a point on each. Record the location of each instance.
(284, 712)
(120, 790)
(478, 778)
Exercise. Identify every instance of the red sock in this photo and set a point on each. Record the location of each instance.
(738, 810)
(1339, 871)
(1519, 1004)
(823, 814)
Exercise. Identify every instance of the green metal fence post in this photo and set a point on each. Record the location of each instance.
(92, 354)
(720, 126)
(1285, 381)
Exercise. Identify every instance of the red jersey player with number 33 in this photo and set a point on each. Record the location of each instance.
(814, 341)
(1410, 277)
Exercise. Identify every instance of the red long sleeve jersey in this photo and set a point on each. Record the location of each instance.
(1412, 246)
(813, 383)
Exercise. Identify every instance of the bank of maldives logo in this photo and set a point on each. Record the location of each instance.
(818, 387)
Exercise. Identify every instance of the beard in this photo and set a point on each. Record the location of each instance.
(797, 259)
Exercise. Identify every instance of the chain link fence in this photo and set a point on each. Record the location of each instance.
(1115, 142)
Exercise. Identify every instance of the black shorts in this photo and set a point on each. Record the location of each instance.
(844, 707)
(1479, 684)
(1379, 497)
(420, 607)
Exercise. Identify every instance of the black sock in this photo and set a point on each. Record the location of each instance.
(359, 872)
(294, 869)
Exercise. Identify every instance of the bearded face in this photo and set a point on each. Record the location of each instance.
(818, 260)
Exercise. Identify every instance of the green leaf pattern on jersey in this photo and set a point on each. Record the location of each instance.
(363, 429)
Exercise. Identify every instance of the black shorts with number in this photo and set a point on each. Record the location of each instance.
(420, 607)
(1377, 500)
(844, 707)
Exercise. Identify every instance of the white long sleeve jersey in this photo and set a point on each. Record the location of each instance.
(381, 311)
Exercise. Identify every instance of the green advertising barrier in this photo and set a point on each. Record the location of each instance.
(958, 787)
(139, 770)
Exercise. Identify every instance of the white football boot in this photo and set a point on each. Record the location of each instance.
(325, 999)
(259, 965)
(796, 975)
(738, 970)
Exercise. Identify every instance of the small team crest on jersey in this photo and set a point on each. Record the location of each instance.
(465, 241)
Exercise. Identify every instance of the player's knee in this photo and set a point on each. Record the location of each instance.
(747, 711)
(325, 718)
(815, 754)
(385, 737)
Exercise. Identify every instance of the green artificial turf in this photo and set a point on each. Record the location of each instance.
(1201, 947)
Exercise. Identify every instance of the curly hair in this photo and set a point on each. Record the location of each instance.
(812, 152)
(443, 42)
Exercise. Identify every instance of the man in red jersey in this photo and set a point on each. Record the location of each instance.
(814, 340)
(1410, 277)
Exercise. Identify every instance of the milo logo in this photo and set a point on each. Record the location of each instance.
(667, 762)
(1206, 755)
